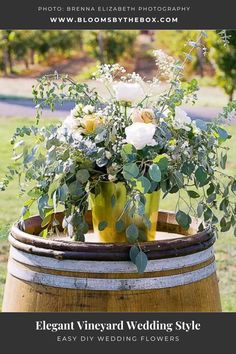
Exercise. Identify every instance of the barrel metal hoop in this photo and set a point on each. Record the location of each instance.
(96, 284)
(112, 266)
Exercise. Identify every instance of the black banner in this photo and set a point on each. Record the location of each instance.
(186, 332)
(117, 14)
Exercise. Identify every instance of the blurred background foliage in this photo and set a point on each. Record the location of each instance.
(23, 50)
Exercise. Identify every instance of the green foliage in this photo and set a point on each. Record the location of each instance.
(183, 219)
(225, 245)
(65, 163)
(141, 261)
(139, 258)
(155, 173)
(32, 45)
(82, 176)
(109, 45)
(102, 225)
(132, 233)
(130, 171)
(225, 57)
(120, 226)
(143, 184)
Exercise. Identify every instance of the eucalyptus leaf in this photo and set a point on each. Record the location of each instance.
(187, 168)
(132, 233)
(207, 214)
(76, 189)
(200, 209)
(120, 226)
(142, 236)
(193, 194)
(133, 252)
(63, 193)
(179, 178)
(46, 220)
(201, 176)
(102, 225)
(155, 173)
(143, 184)
(82, 176)
(233, 186)
(128, 153)
(223, 135)
(130, 171)
(211, 198)
(162, 162)
(141, 261)
(223, 161)
(211, 189)
(42, 205)
(201, 124)
(183, 219)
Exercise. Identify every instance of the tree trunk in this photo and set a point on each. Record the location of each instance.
(26, 63)
(201, 62)
(231, 95)
(81, 44)
(9, 58)
(31, 56)
(101, 47)
(5, 62)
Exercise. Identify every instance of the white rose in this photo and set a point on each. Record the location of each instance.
(140, 135)
(129, 92)
(181, 119)
(72, 126)
(71, 123)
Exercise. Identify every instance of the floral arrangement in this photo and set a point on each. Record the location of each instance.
(136, 134)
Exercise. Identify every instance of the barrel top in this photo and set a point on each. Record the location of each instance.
(174, 241)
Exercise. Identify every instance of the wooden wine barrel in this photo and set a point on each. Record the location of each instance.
(57, 275)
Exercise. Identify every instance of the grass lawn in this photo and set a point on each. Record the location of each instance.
(10, 206)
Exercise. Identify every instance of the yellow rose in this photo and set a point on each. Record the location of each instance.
(143, 116)
(90, 122)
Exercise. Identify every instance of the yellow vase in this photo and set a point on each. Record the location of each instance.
(102, 209)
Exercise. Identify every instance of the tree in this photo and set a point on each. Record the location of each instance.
(26, 45)
(109, 46)
(7, 51)
(225, 58)
(174, 44)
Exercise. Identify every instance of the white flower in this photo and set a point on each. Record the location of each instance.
(71, 123)
(108, 155)
(185, 145)
(164, 65)
(129, 92)
(112, 178)
(140, 135)
(72, 126)
(88, 109)
(76, 111)
(77, 135)
(181, 119)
